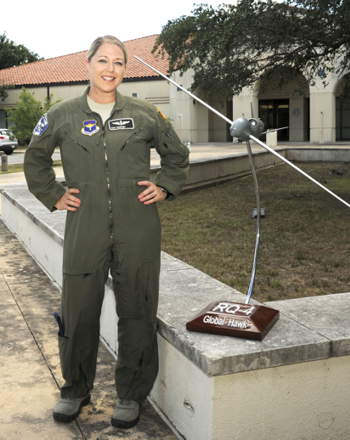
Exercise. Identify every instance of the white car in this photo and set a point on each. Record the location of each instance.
(6, 145)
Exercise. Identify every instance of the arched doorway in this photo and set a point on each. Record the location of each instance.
(285, 107)
(275, 114)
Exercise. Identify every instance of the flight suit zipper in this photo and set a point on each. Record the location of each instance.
(108, 191)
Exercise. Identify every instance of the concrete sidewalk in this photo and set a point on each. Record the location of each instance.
(30, 370)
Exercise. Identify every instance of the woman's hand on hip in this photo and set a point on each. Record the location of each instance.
(151, 194)
(68, 201)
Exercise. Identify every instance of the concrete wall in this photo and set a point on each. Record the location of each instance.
(182, 111)
(241, 104)
(201, 121)
(218, 127)
(322, 112)
(290, 402)
(297, 119)
(208, 172)
(155, 92)
(40, 93)
(193, 121)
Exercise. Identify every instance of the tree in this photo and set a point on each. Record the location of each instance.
(12, 54)
(234, 46)
(27, 114)
(3, 90)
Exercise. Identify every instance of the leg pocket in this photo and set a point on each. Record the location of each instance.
(136, 290)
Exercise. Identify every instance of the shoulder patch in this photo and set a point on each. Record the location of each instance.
(41, 126)
(161, 114)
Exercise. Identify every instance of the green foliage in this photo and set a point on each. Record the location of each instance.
(3, 90)
(27, 114)
(234, 46)
(12, 54)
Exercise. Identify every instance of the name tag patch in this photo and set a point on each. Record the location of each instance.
(121, 124)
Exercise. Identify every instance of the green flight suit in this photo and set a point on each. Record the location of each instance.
(111, 230)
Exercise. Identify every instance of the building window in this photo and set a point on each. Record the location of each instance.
(3, 115)
(342, 119)
(134, 95)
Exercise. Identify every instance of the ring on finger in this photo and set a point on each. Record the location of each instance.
(155, 194)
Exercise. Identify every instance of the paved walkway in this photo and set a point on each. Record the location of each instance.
(30, 373)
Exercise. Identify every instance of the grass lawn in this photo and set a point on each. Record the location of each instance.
(305, 234)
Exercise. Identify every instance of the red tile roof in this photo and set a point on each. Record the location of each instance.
(71, 68)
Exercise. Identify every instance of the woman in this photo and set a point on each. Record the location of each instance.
(112, 224)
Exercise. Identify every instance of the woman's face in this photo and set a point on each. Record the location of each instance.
(106, 69)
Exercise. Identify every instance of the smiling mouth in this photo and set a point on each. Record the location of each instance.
(108, 78)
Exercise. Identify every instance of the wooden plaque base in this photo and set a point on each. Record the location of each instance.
(234, 319)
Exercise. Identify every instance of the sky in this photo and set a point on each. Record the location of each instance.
(55, 28)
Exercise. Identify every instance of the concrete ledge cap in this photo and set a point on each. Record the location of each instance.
(185, 291)
(51, 222)
(327, 315)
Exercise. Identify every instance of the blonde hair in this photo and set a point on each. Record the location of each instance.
(106, 39)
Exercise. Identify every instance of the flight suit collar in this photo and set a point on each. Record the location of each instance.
(119, 102)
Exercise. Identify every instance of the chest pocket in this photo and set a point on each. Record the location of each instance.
(79, 158)
(136, 133)
(129, 152)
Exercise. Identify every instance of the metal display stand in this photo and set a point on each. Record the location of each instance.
(258, 221)
(224, 317)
